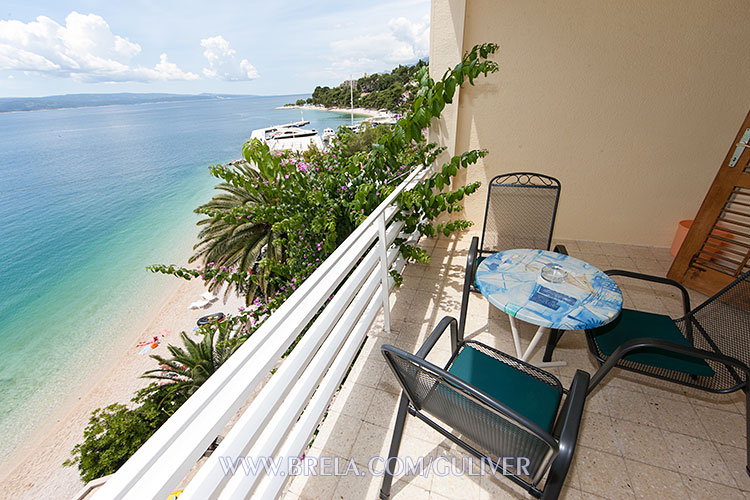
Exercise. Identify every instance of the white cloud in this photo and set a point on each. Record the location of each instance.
(85, 49)
(405, 41)
(223, 62)
(414, 36)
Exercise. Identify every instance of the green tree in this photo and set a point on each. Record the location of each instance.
(190, 366)
(114, 433)
(233, 244)
(392, 91)
(312, 204)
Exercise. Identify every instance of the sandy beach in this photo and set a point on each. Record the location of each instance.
(357, 111)
(108, 368)
(34, 471)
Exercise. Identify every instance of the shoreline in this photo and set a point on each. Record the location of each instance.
(35, 471)
(101, 304)
(32, 468)
(370, 113)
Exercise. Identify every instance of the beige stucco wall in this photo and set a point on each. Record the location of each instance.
(632, 105)
(446, 48)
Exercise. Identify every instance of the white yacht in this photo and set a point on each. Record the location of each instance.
(288, 136)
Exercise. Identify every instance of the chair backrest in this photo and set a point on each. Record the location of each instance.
(493, 429)
(722, 323)
(520, 212)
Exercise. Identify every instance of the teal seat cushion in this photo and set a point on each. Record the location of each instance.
(479, 261)
(523, 393)
(634, 324)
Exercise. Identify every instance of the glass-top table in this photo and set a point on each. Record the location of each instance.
(569, 295)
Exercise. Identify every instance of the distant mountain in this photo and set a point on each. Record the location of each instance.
(8, 104)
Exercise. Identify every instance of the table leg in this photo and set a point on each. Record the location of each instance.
(541, 331)
(516, 337)
(524, 356)
(550, 364)
(534, 341)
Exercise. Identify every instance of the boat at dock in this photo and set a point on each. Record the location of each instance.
(288, 136)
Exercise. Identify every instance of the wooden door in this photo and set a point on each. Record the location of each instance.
(717, 248)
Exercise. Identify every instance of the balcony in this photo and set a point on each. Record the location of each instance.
(334, 399)
(639, 439)
(567, 108)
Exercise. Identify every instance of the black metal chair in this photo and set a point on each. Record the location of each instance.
(708, 348)
(520, 213)
(496, 405)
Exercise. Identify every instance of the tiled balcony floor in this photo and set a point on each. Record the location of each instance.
(640, 438)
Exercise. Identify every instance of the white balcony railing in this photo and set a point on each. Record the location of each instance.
(280, 420)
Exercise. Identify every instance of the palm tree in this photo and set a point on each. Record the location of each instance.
(189, 367)
(237, 244)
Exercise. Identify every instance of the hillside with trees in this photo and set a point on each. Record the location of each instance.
(394, 91)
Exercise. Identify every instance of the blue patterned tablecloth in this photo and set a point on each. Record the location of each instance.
(512, 281)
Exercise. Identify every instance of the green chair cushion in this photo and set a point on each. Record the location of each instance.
(523, 393)
(634, 324)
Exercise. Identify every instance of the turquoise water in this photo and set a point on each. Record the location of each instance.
(88, 198)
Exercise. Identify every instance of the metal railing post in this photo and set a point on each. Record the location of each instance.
(384, 275)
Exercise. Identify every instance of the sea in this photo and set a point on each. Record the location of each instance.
(88, 198)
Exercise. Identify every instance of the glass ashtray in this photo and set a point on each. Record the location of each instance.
(554, 273)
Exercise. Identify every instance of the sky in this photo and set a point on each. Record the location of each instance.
(276, 47)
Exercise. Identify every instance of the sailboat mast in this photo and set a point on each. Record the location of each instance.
(351, 98)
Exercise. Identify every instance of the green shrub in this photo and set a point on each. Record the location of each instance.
(115, 432)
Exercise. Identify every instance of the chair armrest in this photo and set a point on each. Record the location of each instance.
(561, 249)
(654, 279)
(471, 264)
(650, 343)
(457, 384)
(568, 426)
(435, 335)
